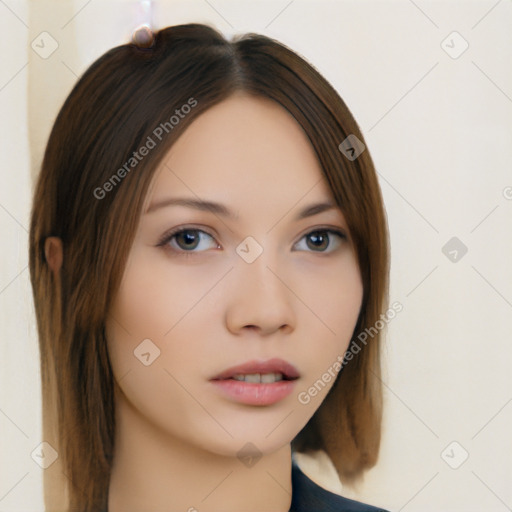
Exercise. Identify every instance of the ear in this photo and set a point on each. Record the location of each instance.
(53, 253)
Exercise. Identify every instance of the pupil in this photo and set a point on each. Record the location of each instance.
(319, 240)
(188, 238)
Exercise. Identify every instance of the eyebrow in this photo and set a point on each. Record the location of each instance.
(220, 209)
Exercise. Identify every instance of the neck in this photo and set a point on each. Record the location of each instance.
(152, 470)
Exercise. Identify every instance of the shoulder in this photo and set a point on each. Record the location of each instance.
(307, 496)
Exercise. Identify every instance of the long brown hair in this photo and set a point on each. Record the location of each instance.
(110, 113)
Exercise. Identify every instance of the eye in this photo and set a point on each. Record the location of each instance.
(188, 240)
(322, 240)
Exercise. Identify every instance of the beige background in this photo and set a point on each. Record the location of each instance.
(439, 129)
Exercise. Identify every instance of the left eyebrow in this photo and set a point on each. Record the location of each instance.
(315, 209)
(213, 207)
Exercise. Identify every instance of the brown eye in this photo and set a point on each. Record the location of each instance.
(318, 240)
(188, 240)
(322, 240)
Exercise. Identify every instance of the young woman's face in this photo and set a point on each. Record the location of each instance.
(262, 286)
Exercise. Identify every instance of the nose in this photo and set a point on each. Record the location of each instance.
(259, 299)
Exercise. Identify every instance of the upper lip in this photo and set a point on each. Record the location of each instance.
(269, 366)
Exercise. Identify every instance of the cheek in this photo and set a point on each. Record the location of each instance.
(154, 296)
(335, 307)
(335, 300)
(164, 303)
(152, 333)
(337, 303)
(144, 309)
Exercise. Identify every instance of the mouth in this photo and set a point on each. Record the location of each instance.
(257, 382)
(266, 372)
(263, 378)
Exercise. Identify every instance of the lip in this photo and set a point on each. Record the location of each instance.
(252, 393)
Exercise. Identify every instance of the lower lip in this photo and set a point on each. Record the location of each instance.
(252, 393)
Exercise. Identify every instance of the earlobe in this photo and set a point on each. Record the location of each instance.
(53, 253)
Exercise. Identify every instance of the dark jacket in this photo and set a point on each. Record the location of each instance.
(309, 497)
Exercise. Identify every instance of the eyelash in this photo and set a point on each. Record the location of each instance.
(167, 237)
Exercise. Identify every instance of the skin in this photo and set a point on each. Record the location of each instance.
(207, 309)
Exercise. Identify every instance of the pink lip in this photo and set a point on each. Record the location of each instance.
(252, 393)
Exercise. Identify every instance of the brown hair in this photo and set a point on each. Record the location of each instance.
(110, 113)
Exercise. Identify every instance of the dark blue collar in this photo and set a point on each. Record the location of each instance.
(309, 497)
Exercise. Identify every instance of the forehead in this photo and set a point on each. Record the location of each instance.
(245, 149)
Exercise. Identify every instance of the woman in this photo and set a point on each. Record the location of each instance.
(207, 241)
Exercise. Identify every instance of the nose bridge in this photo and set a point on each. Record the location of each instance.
(255, 266)
(259, 297)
